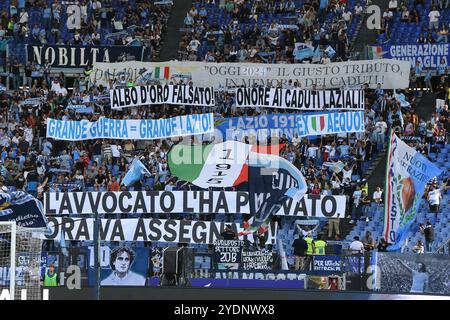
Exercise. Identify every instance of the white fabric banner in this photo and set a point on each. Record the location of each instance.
(207, 202)
(176, 231)
(160, 94)
(144, 129)
(391, 74)
(308, 100)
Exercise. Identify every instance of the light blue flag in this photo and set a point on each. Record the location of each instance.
(305, 51)
(408, 172)
(135, 173)
(330, 51)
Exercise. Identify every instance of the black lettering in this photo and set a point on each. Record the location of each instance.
(154, 224)
(195, 226)
(171, 234)
(124, 194)
(140, 231)
(140, 203)
(65, 204)
(117, 231)
(83, 231)
(183, 231)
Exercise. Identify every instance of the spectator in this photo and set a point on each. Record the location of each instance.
(419, 248)
(428, 232)
(382, 245)
(300, 247)
(369, 242)
(356, 246)
(377, 196)
(434, 18)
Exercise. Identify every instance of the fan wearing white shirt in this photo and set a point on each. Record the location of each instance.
(356, 246)
(434, 18)
(377, 195)
(434, 196)
(393, 5)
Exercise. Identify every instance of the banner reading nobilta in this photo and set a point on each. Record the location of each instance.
(157, 94)
(407, 174)
(391, 74)
(61, 56)
(161, 230)
(298, 99)
(144, 129)
(206, 202)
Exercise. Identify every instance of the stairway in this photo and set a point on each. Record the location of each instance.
(169, 50)
(366, 36)
(426, 106)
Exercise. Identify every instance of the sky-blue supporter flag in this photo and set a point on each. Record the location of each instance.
(407, 174)
(135, 173)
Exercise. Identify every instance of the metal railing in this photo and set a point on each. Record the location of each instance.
(441, 248)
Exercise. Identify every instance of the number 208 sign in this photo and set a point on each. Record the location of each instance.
(228, 251)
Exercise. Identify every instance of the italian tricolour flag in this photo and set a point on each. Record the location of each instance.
(217, 165)
(374, 52)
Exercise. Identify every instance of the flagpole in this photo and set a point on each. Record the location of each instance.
(386, 180)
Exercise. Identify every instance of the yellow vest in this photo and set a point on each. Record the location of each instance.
(320, 247)
(366, 188)
(309, 241)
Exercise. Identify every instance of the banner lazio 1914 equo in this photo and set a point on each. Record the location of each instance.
(208, 202)
(391, 74)
(302, 124)
(144, 129)
(61, 56)
(162, 230)
(162, 94)
(298, 99)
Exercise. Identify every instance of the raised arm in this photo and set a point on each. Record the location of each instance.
(404, 265)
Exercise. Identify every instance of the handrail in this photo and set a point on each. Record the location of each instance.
(441, 247)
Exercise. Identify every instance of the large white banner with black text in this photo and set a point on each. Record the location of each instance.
(391, 74)
(162, 230)
(297, 99)
(208, 202)
(160, 94)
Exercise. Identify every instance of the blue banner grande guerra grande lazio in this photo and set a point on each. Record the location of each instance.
(408, 172)
(429, 55)
(144, 129)
(302, 124)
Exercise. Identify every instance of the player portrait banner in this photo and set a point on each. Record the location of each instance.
(60, 56)
(407, 174)
(207, 202)
(330, 123)
(144, 129)
(162, 230)
(391, 74)
(131, 262)
(305, 100)
(162, 94)
(429, 54)
(412, 273)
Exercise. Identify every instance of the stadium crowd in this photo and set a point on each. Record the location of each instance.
(331, 164)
